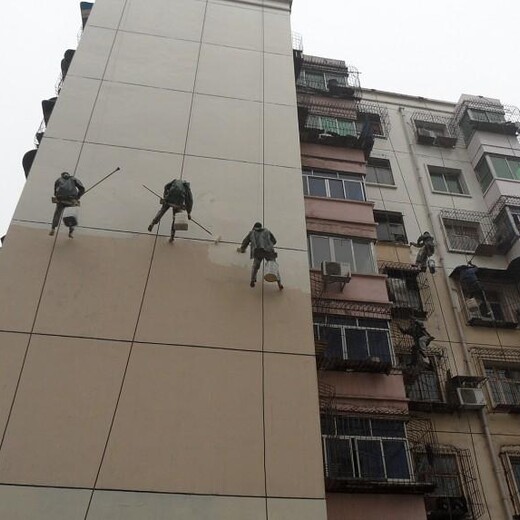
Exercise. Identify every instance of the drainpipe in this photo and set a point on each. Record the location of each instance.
(441, 250)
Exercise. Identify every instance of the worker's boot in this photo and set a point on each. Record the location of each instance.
(71, 232)
(52, 231)
(150, 227)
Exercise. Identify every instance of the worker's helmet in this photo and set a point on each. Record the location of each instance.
(65, 175)
(426, 233)
(258, 225)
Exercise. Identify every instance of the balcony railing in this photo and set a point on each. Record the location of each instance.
(434, 129)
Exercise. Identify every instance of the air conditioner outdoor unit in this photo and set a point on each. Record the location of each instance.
(336, 271)
(425, 136)
(447, 508)
(471, 398)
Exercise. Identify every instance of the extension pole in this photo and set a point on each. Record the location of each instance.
(151, 191)
(103, 179)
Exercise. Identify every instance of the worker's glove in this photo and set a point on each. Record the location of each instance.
(240, 250)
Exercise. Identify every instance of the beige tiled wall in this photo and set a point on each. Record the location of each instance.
(132, 364)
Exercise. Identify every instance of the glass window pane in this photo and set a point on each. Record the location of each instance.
(370, 460)
(387, 428)
(384, 176)
(356, 426)
(346, 127)
(341, 80)
(305, 190)
(339, 458)
(383, 231)
(336, 189)
(317, 187)
(354, 190)
(501, 168)
(438, 182)
(454, 184)
(514, 165)
(315, 80)
(320, 250)
(334, 342)
(379, 345)
(363, 257)
(313, 121)
(343, 250)
(357, 347)
(484, 174)
(396, 459)
(329, 124)
(371, 174)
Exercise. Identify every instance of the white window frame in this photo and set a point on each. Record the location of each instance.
(498, 385)
(326, 77)
(321, 126)
(309, 172)
(344, 327)
(333, 253)
(370, 183)
(355, 452)
(453, 172)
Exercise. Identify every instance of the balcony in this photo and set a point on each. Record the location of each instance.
(470, 232)
(432, 129)
(506, 214)
(477, 113)
(408, 290)
(328, 77)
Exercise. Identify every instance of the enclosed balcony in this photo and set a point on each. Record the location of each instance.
(506, 215)
(328, 77)
(471, 232)
(434, 129)
(477, 113)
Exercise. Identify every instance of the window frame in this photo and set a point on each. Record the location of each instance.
(445, 173)
(332, 251)
(337, 121)
(388, 215)
(383, 164)
(436, 128)
(332, 175)
(357, 326)
(380, 439)
(495, 383)
(491, 173)
(326, 77)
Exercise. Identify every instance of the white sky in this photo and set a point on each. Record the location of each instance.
(436, 49)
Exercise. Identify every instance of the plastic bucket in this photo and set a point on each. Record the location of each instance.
(70, 216)
(181, 222)
(271, 272)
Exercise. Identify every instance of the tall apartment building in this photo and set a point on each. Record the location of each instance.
(405, 438)
(143, 379)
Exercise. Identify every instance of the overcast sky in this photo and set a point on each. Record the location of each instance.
(433, 49)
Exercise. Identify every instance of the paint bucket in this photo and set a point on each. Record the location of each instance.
(181, 222)
(70, 216)
(472, 305)
(271, 272)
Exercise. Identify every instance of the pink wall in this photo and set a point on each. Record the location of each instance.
(375, 507)
(332, 158)
(361, 288)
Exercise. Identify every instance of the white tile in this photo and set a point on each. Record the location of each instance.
(93, 51)
(283, 509)
(110, 505)
(279, 79)
(230, 72)
(140, 117)
(107, 13)
(233, 26)
(30, 503)
(180, 19)
(153, 61)
(284, 207)
(71, 115)
(277, 33)
(226, 128)
(282, 144)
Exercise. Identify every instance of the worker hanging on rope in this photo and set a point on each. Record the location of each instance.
(67, 192)
(177, 196)
(262, 242)
(427, 248)
(421, 339)
(472, 288)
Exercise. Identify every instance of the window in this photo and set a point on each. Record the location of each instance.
(357, 253)
(504, 384)
(320, 80)
(431, 129)
(515, 471)
(486, 116)
(443, 470)
(354, 338)
(317, 183)
(425, 386)
(499, 167)
(390, 227)
(379, 172)
(373, 120)
(447, 180)
(365, 449)
(403, 290)
(462, 235)
(332, 125)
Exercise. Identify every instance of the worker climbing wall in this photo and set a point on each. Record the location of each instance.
(144, 378)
